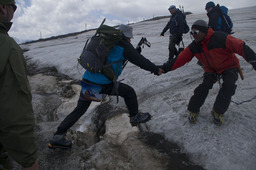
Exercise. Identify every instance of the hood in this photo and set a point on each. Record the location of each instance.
(5, 27)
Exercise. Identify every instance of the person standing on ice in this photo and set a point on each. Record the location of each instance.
(123, 50)
(217, 20)
(176, 27)
(16, 113)
(216, 50)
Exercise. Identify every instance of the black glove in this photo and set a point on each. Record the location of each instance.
(166, 67)
(139, 50)
(161, 67)
(162, 34)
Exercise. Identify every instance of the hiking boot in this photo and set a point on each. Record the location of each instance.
(139, 118)
(192, 117)
(59, 141)
(217, 118)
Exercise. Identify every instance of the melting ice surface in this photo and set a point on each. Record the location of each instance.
(231, 146)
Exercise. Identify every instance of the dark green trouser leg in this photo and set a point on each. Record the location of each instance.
(172, 48)
(5, 162)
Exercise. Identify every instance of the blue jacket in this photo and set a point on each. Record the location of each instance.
(122, 51)
(115, 54)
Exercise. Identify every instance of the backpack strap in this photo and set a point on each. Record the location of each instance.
(107, 65)
(109, 72)
(175, 18)
(223, 16)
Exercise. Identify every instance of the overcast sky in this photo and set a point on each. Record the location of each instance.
(36, 19)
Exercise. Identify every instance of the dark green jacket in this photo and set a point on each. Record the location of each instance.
(16, 113)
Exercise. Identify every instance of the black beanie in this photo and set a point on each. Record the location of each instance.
(200, 25)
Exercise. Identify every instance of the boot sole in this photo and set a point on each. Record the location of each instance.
(51, 146)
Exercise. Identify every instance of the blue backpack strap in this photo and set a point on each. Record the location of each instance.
(225, 23)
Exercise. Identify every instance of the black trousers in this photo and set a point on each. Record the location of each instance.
(223, 98)
(124, 90)
(173, 40)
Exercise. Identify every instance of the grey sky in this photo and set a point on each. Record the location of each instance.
(36, 19)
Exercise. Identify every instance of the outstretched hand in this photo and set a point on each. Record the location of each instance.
(161, 71)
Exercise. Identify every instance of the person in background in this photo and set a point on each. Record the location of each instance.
(16, 112)
(122, 50)
(176, 27)
(213, 15)
(217, 20)
(216, 50)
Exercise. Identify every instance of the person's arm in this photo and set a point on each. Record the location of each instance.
(132, 55)
(19, 67)
(166, 28)
(238, 46)
(4, 48)
(249, 55)
(183, 58)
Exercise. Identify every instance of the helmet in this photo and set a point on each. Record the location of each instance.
(7, 2)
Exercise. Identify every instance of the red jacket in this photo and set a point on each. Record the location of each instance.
(216, 52)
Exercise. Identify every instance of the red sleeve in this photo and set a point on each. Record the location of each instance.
(235, 45)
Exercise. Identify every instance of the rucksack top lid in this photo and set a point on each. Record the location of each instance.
(224, 9)
(110, 35)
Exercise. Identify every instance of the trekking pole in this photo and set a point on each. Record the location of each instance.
(225, 20)
(100, 25)
(142, 41)
(79, 61)
(180, 49)
(124, 64)
(223, 16)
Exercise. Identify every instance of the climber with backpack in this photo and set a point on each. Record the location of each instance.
(101, 77)
(219, 19)
(217, 52)
(177, 27)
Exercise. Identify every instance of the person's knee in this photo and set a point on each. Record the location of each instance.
(131, 91)
(203, 87)
(171, 46)
(127, 92)
(229, 82)
(229, 88)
